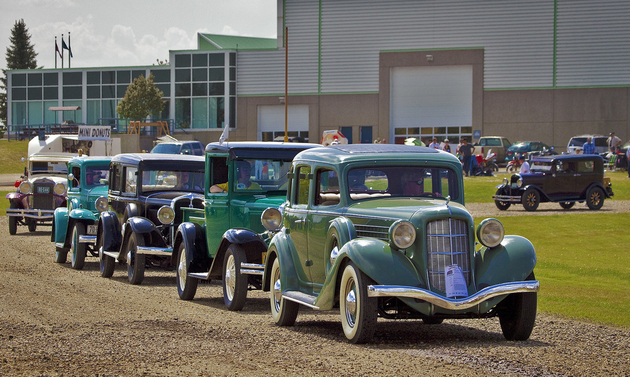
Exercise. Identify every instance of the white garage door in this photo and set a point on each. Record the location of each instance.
(271, 121)
(430, 101)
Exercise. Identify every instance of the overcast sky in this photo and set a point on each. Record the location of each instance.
(130, 32)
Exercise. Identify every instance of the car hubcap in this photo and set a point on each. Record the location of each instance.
(277, 293)
(73, 245)
(181, 269)
(351, 303)
(230, 277)
(595, 198)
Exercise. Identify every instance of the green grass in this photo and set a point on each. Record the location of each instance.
(11, 154)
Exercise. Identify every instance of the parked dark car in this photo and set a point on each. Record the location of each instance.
(563, 179)
(179, 147)
(147, 195)
(524, 148)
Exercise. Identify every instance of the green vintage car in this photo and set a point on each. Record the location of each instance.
(225, 239)
(381, 231)
(75, 226)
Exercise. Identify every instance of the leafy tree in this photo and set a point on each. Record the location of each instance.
(20, 55)
(142, 99)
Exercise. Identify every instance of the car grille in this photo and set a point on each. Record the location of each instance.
(372, 231)
(447, 244)
(43, 195)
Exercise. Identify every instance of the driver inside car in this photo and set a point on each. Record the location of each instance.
(243, 182)
(413, 183)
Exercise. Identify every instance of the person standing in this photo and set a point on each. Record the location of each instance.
(466, 151)
(447, 146)
(588, 147)
(613, 142)
(434, 144)
(524, 165)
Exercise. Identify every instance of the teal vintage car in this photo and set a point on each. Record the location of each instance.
(75, 226)
(381, 231)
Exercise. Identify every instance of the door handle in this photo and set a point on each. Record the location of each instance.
(300, 221)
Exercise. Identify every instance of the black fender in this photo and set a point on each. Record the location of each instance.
(146, 229)
(596, 184)
(543, 196)
(251, 242)
(193, 236)
(131, 211)
(110, 236)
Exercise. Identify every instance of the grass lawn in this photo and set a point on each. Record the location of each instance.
(11, 154)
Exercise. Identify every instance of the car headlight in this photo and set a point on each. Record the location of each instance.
(505, 181)
(25, 187)
(519, 183)
(403, 234)
(101, 204)
(166, 215)
(490, 232)
(271, 219)
(60, 189)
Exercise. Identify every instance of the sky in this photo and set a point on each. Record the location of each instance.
(118, 33)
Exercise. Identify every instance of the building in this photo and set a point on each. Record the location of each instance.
(541, 69)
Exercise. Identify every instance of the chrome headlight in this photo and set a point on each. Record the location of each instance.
(25, 187)
(490, 232)
(60, 189)
(403, 234)
(166, 215)
(271, 219)
(519, 183)
(505, 181)
(101, 204)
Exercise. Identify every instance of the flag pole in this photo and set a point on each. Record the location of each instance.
(62, 50)
(286, 84)
(69, 50)
(56, 51)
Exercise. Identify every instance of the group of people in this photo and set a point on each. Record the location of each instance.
(464, 150)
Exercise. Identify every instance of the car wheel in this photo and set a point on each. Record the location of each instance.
(530, 199)
(135, 261)
(77, 250)
(503, 206)
(186, 285)
(61, 255)
(595, 198)
(13, 220)
(517, 314)
(283, 312)
(107, 264)
(234, 283)
(567, 205)
(358, 311)
(32, 225)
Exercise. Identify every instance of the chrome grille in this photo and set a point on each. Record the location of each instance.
(372, 231)
(43, 195)
(447, 244)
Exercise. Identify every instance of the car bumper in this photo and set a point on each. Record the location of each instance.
(38, 214)
(449, 303)
(507, 198)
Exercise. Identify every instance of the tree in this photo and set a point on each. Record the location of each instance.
(141, 99)
(20, 55)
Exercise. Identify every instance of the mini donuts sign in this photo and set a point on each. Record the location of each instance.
(95, 133)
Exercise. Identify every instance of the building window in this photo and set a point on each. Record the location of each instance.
(93, 78)
(72, 78)
(182, 60)
(161, 75)
(34, 79)
(123, 77)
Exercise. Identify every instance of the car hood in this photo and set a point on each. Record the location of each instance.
(97, 192)
(57, 179)
(405, 208)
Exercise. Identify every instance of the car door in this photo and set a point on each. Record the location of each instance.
(585, 175)
(561, 185)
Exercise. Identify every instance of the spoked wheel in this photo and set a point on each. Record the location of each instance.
(567, 205)
(107, 264)
(530, 199)
(78, 250)
(13, 220)
(500, 204)
(186, 285)
(234, 283)
(283, 312)
(517, 314)
(135, 261)
(358, 311)
(595, 198)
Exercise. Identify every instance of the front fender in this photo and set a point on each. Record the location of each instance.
(254, 247)
(145, 228)
(60, 225)
(14, 196)
(111, 237)
(540, 191)
(193, 237)
(513, 260)
(83, 214)
(281, 248)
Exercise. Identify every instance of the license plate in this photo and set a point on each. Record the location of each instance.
(43, 190)
(92, 229)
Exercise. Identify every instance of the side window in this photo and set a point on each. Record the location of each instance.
(186, 149)
(302, 182)
(218, 171)
(131, 180)
(585, 166)
(327, 188)
(483, 142)
(76, 182)
(115, 182)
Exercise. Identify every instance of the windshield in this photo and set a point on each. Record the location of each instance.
(96, 175)
(519, 147)
(402, 181)
(577, 141)
(172, 180)
(260, 174)
(540, 166)
(47, 167)
(166, 148)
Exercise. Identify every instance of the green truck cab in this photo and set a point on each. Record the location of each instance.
(382, 231)
(226, 240)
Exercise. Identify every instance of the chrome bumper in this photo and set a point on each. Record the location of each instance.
(252, 269)
(159, 251)
(506, 198)
(453, 304)
(87, 239)
(39, 214)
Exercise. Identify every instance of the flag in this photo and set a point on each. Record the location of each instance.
(57, 48)
(224, 135)
(64, 46)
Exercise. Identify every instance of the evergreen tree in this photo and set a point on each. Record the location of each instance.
(141, 99)
(20, 55)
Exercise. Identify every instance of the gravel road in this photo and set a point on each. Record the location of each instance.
(55, 321)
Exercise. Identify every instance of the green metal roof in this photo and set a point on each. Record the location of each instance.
(213, 42)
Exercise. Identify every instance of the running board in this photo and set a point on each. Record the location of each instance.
(113, 254)
(200, 275)
(301, 298)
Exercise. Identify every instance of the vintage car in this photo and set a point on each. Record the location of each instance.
(563, 179)
(147, 194)
(42, 189)
(381, 230)
(226, 240)
(75, 226)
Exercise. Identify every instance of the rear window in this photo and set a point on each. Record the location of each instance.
(577, 141)
(492, 142)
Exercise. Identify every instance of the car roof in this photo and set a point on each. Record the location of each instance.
(135, 158)
(227, 146)
(568, 157)
(341, 153)
(90, 159)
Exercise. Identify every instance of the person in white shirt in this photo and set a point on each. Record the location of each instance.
(613, 142)
(434, 144)
(524, 165)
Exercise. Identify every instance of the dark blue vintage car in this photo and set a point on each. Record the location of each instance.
(147, 192)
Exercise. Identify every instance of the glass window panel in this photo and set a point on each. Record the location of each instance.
(267, 136)
(166, 113)
(121, 90)
(200, 89)
(165, 88)
(200, 113)
(109, 108)
(109, 77)
(93, 77)
(200, 60)
(51, 92)
(161, 75)
(217, 112)
(400, 131)
(216, 60)
(216, 74)
(232, 74)
(217, 89)
(199, 74)
(93, 92)
(76, 116)
(426, 131)
(35, 113)
(466, 130)
(18, 79)
(413, 131)
(440, 130)
(72, 78)
(182, 75)
(123, 77)
(18, 94)
(130, 180)
(72, 92)
(232, 111)
(34, 79)
(182, 60)
(232, 88)
(18, 113)
(453, 130)
(93, 111)
(232, 59)
(182, 90)
(49, 115)
(182, 112)
(302, 184)
(108, 91)
(137, 73)
(51, 78)
(34, 93)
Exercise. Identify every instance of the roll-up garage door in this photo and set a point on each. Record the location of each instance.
(271, 121)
